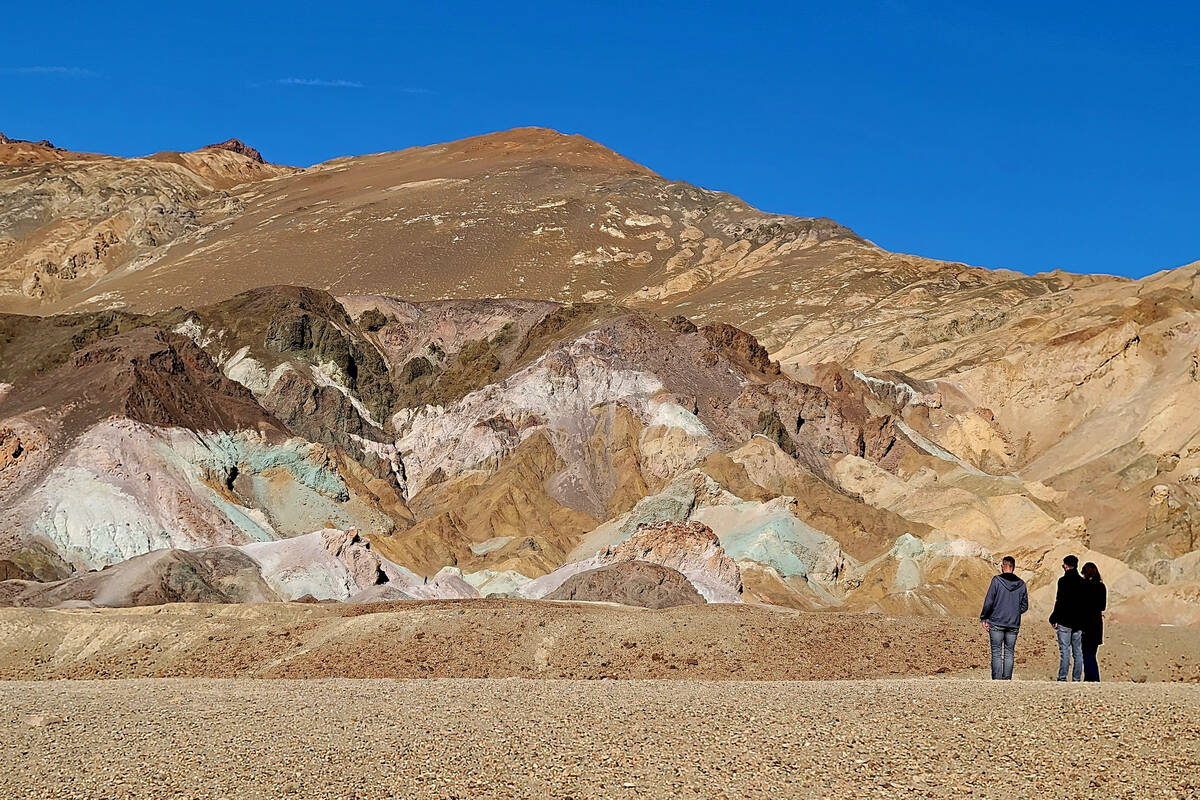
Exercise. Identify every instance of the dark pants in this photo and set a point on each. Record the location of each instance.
(1004, 642)
(1091, 667)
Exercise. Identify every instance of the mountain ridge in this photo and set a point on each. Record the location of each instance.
(682, 357)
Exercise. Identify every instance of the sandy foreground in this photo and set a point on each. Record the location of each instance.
(495, 698)
(204, 738)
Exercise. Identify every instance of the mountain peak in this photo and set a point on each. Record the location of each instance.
(239, 147)
(536, 143)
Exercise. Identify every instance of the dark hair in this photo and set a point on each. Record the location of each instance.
(1091, 572)
(1009, 561)
(1071, 561)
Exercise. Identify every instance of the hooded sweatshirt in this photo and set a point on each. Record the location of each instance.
(1007, 599)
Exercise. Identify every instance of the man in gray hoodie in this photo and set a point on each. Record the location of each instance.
(1007, 599)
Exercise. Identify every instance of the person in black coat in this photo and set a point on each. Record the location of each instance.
(1068, 618)
(1095, 600)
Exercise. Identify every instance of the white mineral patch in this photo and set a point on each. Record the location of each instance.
(94, 523)
(489, 582)
(426, 184)
(328, 374)
(676, 416)
(247, 371)
(191, 329)
(480, 548)
(302, 566)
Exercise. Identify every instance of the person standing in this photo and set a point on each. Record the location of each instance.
(1068, 619)
(1006, 600)
(1095, 598)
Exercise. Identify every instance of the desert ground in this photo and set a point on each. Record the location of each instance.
(461, 738)
(503, 698)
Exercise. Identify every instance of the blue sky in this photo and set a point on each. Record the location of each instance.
(1025, 135)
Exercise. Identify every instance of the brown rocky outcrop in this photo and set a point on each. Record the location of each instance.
(150, 376)
(10, 571)
(239, 147)
(740, 347)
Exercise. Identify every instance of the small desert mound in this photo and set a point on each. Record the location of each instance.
(690, 548)
(211, 575)
(630, 583)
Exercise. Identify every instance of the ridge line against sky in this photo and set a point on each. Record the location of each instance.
(1024, 136)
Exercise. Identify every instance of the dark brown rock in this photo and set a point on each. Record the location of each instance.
(147, 375)
(740, 347)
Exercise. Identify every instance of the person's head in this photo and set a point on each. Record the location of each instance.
(1091, 572)
(1008, 564)
(1071, 562)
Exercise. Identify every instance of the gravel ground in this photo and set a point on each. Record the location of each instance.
(202, 738)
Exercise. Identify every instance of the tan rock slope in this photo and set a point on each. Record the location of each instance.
(68, 219)
(874, 431)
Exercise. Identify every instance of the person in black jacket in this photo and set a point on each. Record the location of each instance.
(1007, 599)
(1068, 619)
(1095, 598)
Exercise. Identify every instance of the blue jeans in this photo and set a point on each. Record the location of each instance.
(1004, 642)
(1070, 644)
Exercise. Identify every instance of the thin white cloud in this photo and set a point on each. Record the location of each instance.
(324, 82)
(66, 72)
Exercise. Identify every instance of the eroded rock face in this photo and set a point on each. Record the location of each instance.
(68, 219)
(630, 583)
(325, 565)
(588, 423)
(146, 375)
(738, 345)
